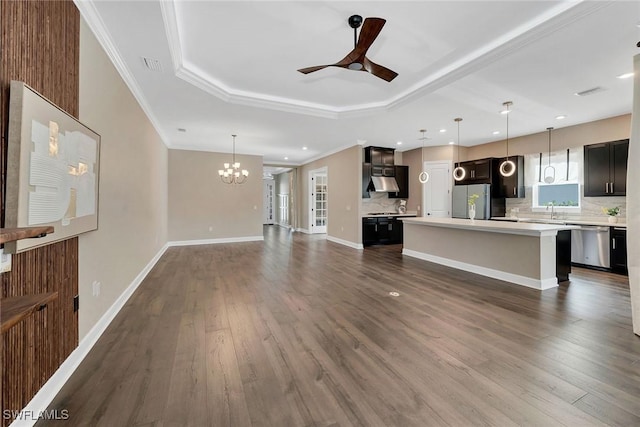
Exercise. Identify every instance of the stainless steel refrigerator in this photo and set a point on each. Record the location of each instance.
(460, 200)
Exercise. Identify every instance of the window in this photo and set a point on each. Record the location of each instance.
(565, 195)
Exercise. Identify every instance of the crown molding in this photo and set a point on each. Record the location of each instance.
(91, 16)
(552, 20)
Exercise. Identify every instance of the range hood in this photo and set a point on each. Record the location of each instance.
(384, 184)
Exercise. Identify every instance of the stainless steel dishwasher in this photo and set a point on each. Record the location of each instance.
(590, 246)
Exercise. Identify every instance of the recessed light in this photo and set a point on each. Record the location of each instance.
(399, 143)
(496, 132)
(286, 158)
(182, 130)
(625, 75)
(451, 142)
(561, 117)
(304, 148)
(443, 130)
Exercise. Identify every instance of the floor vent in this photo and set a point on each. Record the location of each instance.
(152, 64)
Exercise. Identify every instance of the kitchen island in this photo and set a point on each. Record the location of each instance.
(533, 255)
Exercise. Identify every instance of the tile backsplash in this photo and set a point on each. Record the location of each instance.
(591, 207)
(379, 202)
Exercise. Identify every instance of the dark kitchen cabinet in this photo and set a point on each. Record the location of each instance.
(619, 250)
(563, 255)
(385, 226)
(402, 178)
(395, 231)
(477, 171)
(381, 230)
(605, 168)
(369, 231)
(512, 186)
(366, 180)
(379, 155)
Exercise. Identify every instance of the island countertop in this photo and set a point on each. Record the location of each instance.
(522, 228)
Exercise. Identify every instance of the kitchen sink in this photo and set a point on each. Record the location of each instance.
(543, 221)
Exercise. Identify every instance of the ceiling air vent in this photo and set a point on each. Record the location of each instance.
(589, 91)
(152, 64)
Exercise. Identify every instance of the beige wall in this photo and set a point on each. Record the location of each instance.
(569, 137)
(202, 207)
(413, 159)
(610, 129)
(133, 185)
(344, 186)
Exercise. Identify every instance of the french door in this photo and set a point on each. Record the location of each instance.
(319, 209)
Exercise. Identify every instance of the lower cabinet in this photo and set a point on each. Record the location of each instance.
(385, 230)
(619, 250)
(563, 255)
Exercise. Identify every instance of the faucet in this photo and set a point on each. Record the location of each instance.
(552, 205)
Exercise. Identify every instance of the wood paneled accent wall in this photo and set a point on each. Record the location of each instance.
(39, 44)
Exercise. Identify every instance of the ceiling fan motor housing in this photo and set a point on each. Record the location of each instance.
(355, 21)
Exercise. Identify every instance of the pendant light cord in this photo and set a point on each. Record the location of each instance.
(549, 129)
(458, 155)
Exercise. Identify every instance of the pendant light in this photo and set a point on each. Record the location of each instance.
(549, 171)
(508, 167)
(459, 173)
(424, 176)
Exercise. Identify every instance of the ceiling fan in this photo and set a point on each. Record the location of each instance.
(356, 59)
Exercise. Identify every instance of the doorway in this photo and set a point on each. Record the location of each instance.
(268, 188)
(318, 203)
(436, 193)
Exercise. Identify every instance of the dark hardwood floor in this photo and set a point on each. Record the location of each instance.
(299, 331)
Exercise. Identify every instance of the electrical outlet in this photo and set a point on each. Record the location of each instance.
(5, 262)
(96, 288)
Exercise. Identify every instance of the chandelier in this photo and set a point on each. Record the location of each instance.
(231, 174)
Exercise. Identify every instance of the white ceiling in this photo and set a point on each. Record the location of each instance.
(230, 68)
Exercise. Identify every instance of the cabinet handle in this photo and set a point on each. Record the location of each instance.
(611, 186)
(606, 188)
(390, 227)
(376, 228)
(514, 191)
(613, 243)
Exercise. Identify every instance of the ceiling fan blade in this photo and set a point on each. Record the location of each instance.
(312, 69)
(378, 70)
(370, 30)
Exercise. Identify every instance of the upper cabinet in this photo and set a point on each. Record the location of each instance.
(605, 168)
(366, 180)
(477, 171)
(512, 186)
(402, 178)
(379, 155)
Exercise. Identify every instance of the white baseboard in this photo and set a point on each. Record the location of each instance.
(345, 242)
(303, 230)
(50, 389)
(215, 241)
(540, 284)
